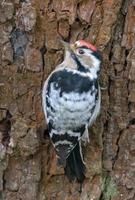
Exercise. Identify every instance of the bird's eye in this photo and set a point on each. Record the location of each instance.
(81, 51)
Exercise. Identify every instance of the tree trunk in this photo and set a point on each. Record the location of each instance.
(29, 50)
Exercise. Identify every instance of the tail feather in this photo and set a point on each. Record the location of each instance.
(75, 168)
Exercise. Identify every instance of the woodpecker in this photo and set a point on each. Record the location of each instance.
(71, 103)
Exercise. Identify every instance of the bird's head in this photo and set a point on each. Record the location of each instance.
(84, 54)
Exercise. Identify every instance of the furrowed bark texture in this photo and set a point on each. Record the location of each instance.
(29, 50)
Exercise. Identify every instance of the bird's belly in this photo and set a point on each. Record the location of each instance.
(71, 110)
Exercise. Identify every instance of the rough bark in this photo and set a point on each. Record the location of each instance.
(29, 50)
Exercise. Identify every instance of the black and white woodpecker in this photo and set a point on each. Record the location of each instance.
(71, 102)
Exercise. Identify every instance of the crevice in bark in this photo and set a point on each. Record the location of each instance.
(132, 121)
(118, 149)
(5, 128)
(43, 51)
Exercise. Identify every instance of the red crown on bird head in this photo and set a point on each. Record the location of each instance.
(80, 43)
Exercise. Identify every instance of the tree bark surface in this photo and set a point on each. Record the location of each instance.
(29, 50)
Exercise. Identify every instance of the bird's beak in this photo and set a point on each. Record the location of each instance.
(65, 44)
(68, 46)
